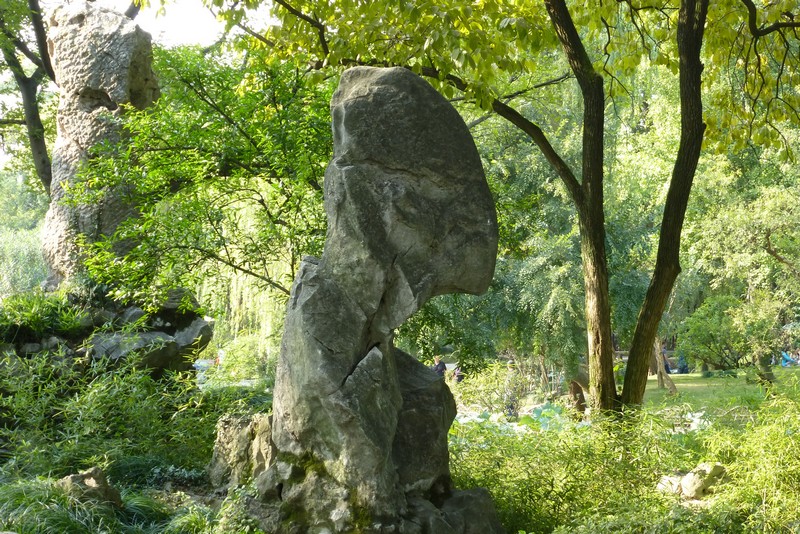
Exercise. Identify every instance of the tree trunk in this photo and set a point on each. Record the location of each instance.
(765, 373)
(36, 135)
(664, 380)
(691, 22)
(602, 389)
(655, 362)
(653, 365)
(589, 203)
(578, 400)
(29, 87)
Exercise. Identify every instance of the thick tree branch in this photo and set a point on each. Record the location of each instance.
(760, 31)
(41, 38)
(540, 139)
(770, 249)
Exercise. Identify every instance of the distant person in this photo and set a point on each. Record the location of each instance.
(683, 365)
(510, 395)
(458, 376)
(438, 366)
(787, 360)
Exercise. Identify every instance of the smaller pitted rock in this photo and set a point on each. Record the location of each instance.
(91, 485)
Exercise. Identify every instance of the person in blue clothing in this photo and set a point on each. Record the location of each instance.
(787, 360)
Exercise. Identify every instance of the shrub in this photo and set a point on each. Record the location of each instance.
(497, 389)
(60, 420)
(541, 479)
(38, 505)
(243, 358)
(601, 477)
(33, 315)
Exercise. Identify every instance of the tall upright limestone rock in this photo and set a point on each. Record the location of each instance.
(101, 60)
(359, 427)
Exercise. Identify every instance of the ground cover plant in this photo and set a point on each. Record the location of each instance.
(152, 438)
(556, 473)
(547, 469)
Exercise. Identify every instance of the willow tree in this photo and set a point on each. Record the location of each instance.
(497, 53)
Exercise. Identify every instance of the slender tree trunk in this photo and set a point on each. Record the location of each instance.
(653, 365)
(589, 204)
(29, 86)
(578, 400)
(655, 362)
(691, 22)
(664, 380)
(36, 136)
(765, 373)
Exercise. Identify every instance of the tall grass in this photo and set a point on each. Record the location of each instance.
(575, 477)
(22, 266)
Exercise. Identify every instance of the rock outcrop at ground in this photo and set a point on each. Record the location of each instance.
(167, 339)
(102, 60)
(359, 427)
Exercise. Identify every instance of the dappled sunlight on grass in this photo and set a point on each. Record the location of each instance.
(699, 392)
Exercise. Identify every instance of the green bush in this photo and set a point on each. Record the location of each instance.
(499, 388)
(542, 479)
(62, 419)
(601, 477)
(39, 506)
(243, 358)
(33, 315)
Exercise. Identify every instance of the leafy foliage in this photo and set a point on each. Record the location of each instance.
(21, 264)
(33, 315)
(58, 418)
(226, 171)
(710, 336)
(601, 477)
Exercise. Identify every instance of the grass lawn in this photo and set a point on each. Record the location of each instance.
(712, 393)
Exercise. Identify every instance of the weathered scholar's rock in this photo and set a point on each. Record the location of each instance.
(360, 428)
(101, 60)
(695, 484)
(698, 482)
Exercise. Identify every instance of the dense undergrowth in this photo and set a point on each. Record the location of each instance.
(153, 439)
(547, 470)
(553, 473)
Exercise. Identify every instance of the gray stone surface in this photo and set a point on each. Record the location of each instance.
(360, 429)
(194, 337)
(698, 482)
(242, 450)
(101, 60)
(156, 348)
(91, 485)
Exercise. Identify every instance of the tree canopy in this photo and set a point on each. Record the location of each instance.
(226, 171)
